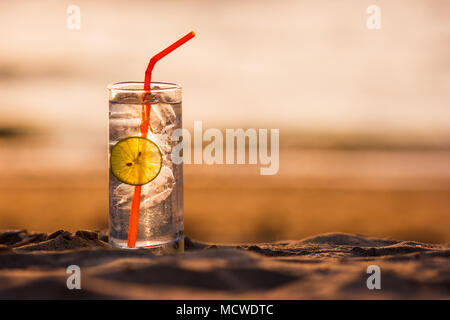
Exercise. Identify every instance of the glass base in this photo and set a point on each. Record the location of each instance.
(156, 247)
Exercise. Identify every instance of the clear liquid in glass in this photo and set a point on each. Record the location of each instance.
(161, 208)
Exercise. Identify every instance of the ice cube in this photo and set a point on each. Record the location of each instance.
(161, 140)
(152, 193)
(163, 118)
(159, 189)
(121, 115)
(122, 128)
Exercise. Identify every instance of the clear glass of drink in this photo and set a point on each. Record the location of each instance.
(160, 224)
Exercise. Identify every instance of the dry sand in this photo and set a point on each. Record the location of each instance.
(333, 265)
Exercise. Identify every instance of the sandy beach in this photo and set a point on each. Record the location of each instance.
(327, 266)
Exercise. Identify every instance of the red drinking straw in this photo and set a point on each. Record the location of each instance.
(145, 125)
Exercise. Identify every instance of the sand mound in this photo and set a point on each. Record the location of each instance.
(345, 239)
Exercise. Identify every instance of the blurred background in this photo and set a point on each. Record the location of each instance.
(364, 115)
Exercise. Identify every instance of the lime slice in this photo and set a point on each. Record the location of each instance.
(135, 160)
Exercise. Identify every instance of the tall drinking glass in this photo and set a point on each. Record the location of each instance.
(160, 223)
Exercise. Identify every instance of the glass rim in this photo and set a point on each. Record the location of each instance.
(122, 86)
